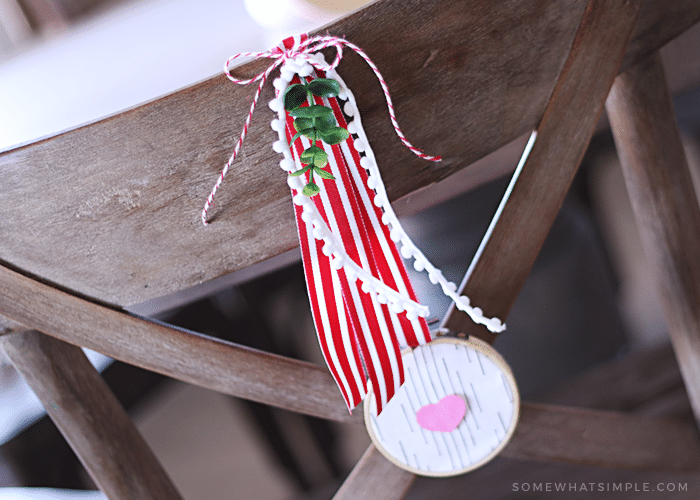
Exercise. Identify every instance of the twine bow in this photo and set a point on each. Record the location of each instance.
(291, 49)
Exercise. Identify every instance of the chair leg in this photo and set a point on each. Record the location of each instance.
(89, 417)
(664, 202)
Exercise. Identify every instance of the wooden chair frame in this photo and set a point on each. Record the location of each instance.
(106, 216)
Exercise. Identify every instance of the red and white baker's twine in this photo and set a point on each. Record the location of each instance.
(303, 50)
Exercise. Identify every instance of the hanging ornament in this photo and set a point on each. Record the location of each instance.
(363, 304)
(456, 411)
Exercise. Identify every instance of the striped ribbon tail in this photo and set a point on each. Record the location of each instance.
(363, 305)
(360, 333)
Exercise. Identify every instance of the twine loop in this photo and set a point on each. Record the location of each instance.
(293, 48)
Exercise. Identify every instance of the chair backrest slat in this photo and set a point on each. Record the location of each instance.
(538, 189)
(198, 359)
(119, 199)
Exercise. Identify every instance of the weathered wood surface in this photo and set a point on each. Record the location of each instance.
(376, 478)
(119, 199)
(645, 382)
(270, 379)
(665, 204)
(9, 326)
(604, 438)
(560, 434)
(505, 257)
(634, 383)
(682, 72)
(89, 416)
(295, 385)
(218, 365)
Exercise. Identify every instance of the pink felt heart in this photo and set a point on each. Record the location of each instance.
(444, 416)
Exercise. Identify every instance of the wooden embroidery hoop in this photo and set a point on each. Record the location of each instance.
(505, 370)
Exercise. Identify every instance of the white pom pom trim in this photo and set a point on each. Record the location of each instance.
(279, 84)
(408, 248)
(340, 260)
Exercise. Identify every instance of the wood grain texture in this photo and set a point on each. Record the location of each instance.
(90, 418)
(604, 438)
(682, 72)
(376, 478)
(307, 388)
(198, 359)
(503, 263)
(119, 199)
(646, 382)
(9, 326)
(559, 434)
(664, 202)
(270, 379)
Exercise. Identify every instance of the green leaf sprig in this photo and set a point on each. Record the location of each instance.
(316, 122)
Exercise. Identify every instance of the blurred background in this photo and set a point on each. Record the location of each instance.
(588, 303)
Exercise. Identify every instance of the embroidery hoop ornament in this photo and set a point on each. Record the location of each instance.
(499, 368)
(483, 380)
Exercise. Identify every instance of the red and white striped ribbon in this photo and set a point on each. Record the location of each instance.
(363, 304)
(360, 336)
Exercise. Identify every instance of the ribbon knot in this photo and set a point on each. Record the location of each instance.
(291, 49)
(291, 45)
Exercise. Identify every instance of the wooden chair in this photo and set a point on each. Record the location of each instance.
(107, 215)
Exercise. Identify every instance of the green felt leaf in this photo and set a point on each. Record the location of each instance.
(322, 173)
(333, 136)
(296, 136)
(311, 111)
(314, 155)
(325, 122)
(311, 133)
(324, 87)
(303, 123)
(294, 96)
(309, 153)
(300, 172)
(311, 189)
(321, 159)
